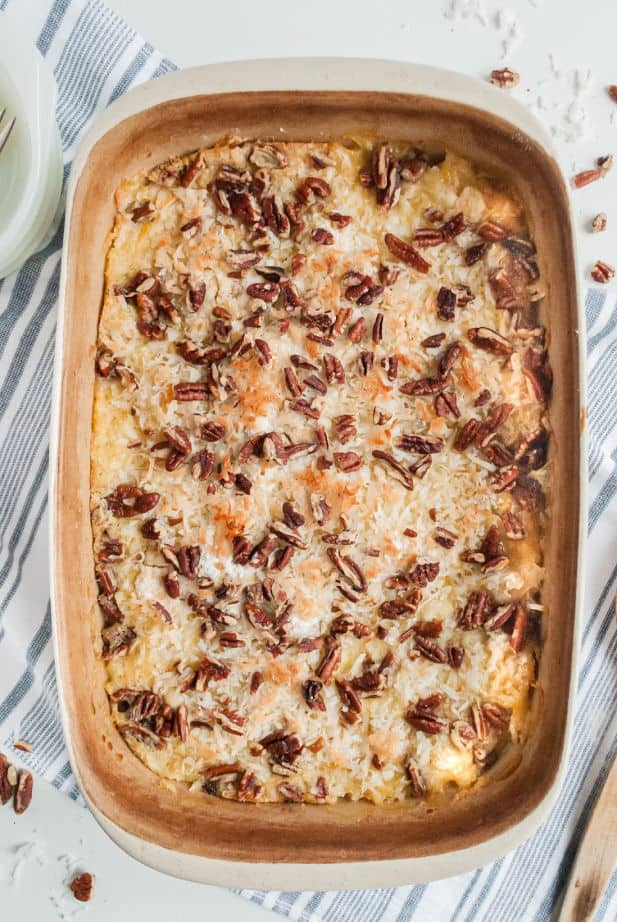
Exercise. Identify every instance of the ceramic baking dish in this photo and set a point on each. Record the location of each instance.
(280, 845)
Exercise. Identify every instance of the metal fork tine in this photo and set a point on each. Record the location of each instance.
(6, 132)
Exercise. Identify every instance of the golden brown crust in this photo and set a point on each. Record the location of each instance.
(318, 481)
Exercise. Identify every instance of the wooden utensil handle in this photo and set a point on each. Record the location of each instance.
(595, 859)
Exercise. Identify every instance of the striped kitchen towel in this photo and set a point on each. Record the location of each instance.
(96, 57)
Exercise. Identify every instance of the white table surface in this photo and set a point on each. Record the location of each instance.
(581, 38)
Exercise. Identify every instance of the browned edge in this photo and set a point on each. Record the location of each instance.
(113, 779)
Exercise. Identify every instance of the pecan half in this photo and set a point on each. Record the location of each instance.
(22, 797)
(82, 887)
(406, 253)
(128, 500)
(476, 611)
(311, 691)
(420, 444)
(330, 660)
(602, 272)
(8, 778)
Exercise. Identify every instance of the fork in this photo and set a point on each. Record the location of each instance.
(5, 132)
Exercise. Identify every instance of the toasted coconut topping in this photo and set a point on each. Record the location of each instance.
(319, 475)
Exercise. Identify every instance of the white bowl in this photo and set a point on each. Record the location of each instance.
(31, 162)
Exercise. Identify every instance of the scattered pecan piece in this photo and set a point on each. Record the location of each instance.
(333, 369)
(446, 404)
(585, 177)
(322, 236)
(599, 223)
(602, 272)
(430, 650)
(474, 254)
(505, 78)
(82, 887)
(466, 435)
(504, 479)
(433, 342)
(428, 237)
(290, 792)
(612, 92)
(311, 691)
(513, 526)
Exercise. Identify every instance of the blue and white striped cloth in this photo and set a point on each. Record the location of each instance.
(96, 57)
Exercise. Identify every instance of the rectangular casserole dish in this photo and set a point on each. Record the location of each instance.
(345, 845)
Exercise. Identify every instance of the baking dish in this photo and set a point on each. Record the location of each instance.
(277, 845)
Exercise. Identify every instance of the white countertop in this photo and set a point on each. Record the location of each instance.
(581, 37)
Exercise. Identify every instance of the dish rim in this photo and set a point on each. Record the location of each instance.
(317, 74)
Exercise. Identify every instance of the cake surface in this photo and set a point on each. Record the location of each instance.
(319, 471)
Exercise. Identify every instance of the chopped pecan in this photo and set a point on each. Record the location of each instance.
(448, 359)
(446, 404)
(290, 792)
(345, 427)
(283, 748)
(423, 387)
(513, 526)
(446, 302)
(501, 616)
(304, 407)
(349, 569)
(357, 330)
(191, 390)
(172, 585)
(310, 188)
(504, 479)
(519, 631)
(8, 779)
(456, 655)
(82, 887)
(490, 230)
(422, 715)
(389, 459)
(202, 464)
(406, 253)
(496, 715)
(428, 237)
(430, 650)
(142, 213)
(433, 342)
(424, 573)
(602, 272)
(392, 609)
(347, 461)
(322, 236)
(212, 431)
(142, 735)
(352, 705)
(311, 690)
(585, 177)
(315, 382)
(264, 291)
(261, 552)
(445, 537)
(490, 340)
(282, 530)
(340, 220)
(127, 500)
(333, 369)
(453, 227)
(421, 445)
(330, 660)
(466, 435)
(418, 784)
(505, 78)
(475, 612)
